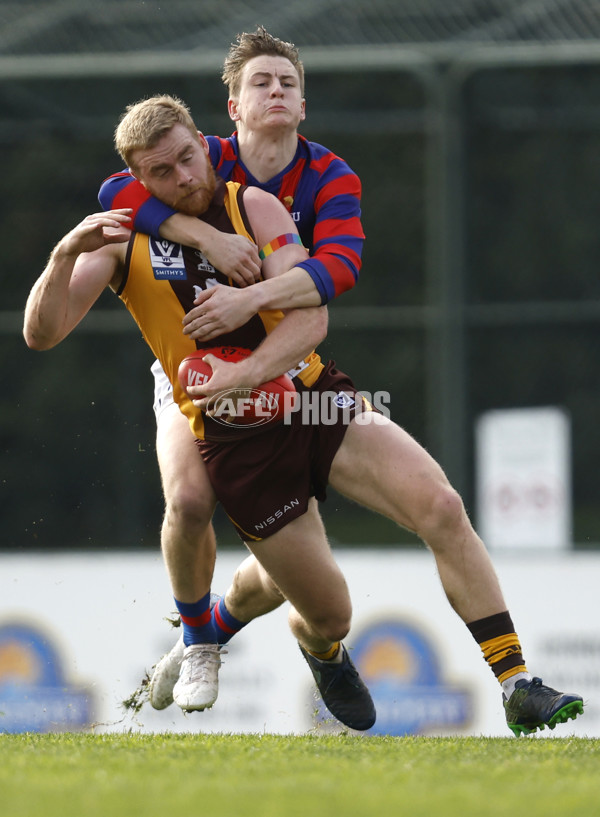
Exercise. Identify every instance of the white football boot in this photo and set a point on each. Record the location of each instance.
(166, 672)
(198, 684)
(165, 676)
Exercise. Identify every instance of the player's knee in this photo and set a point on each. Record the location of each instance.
(186, 507)
(336, 631)
(334, 627)
(444, 511)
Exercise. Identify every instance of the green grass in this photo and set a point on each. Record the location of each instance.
(77, 775)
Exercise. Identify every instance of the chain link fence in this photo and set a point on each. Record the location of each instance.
(479, 287)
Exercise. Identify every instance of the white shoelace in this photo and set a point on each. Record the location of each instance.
(201, 663)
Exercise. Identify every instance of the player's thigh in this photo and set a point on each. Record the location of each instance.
(382, 467)
(299, 560)
(183, 473)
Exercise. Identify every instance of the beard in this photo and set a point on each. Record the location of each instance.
(197, 199)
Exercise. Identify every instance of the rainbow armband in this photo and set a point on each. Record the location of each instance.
(278, 243)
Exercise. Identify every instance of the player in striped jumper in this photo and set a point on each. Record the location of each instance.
(265, 78)
(266, 101)
(398, 478)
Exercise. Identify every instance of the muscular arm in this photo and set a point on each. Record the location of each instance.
(233, 255)
(335, 245)
(82, 264)
(338, 237)
(332, 268)
(290, 342)
(297, 334)
(221, 309)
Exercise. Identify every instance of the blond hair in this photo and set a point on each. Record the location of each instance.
(144, 123)
(259, 43)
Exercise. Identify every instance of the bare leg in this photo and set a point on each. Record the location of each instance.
(300, 563)
(252, 593)
(187, 536)
(385, 469)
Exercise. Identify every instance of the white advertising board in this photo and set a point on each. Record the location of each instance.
(523, 477)
(77, 633)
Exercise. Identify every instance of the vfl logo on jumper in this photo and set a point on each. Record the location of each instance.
(167, 260)
(401, 668)
(35, 696)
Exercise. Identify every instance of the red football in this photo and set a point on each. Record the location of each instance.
(270, 402)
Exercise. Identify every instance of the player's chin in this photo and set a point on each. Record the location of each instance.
(281, 117)
(193, 204)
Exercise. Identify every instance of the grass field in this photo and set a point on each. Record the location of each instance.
(133, 775)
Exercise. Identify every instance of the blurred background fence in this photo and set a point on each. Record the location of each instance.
(475, 128)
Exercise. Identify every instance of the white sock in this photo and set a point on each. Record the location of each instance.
(508, 686)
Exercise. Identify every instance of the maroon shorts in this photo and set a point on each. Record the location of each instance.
(265, 480)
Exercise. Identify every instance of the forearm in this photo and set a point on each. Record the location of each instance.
(46, 308)
(188, 230)
(232, 254)
(291, 290)
(81, 265)
(295, 337)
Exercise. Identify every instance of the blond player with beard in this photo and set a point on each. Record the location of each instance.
(265, 79)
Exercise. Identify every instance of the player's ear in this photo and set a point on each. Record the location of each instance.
(232, 107)
(203, 142)
(303, 110)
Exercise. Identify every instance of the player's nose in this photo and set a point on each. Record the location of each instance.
(184, 176)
